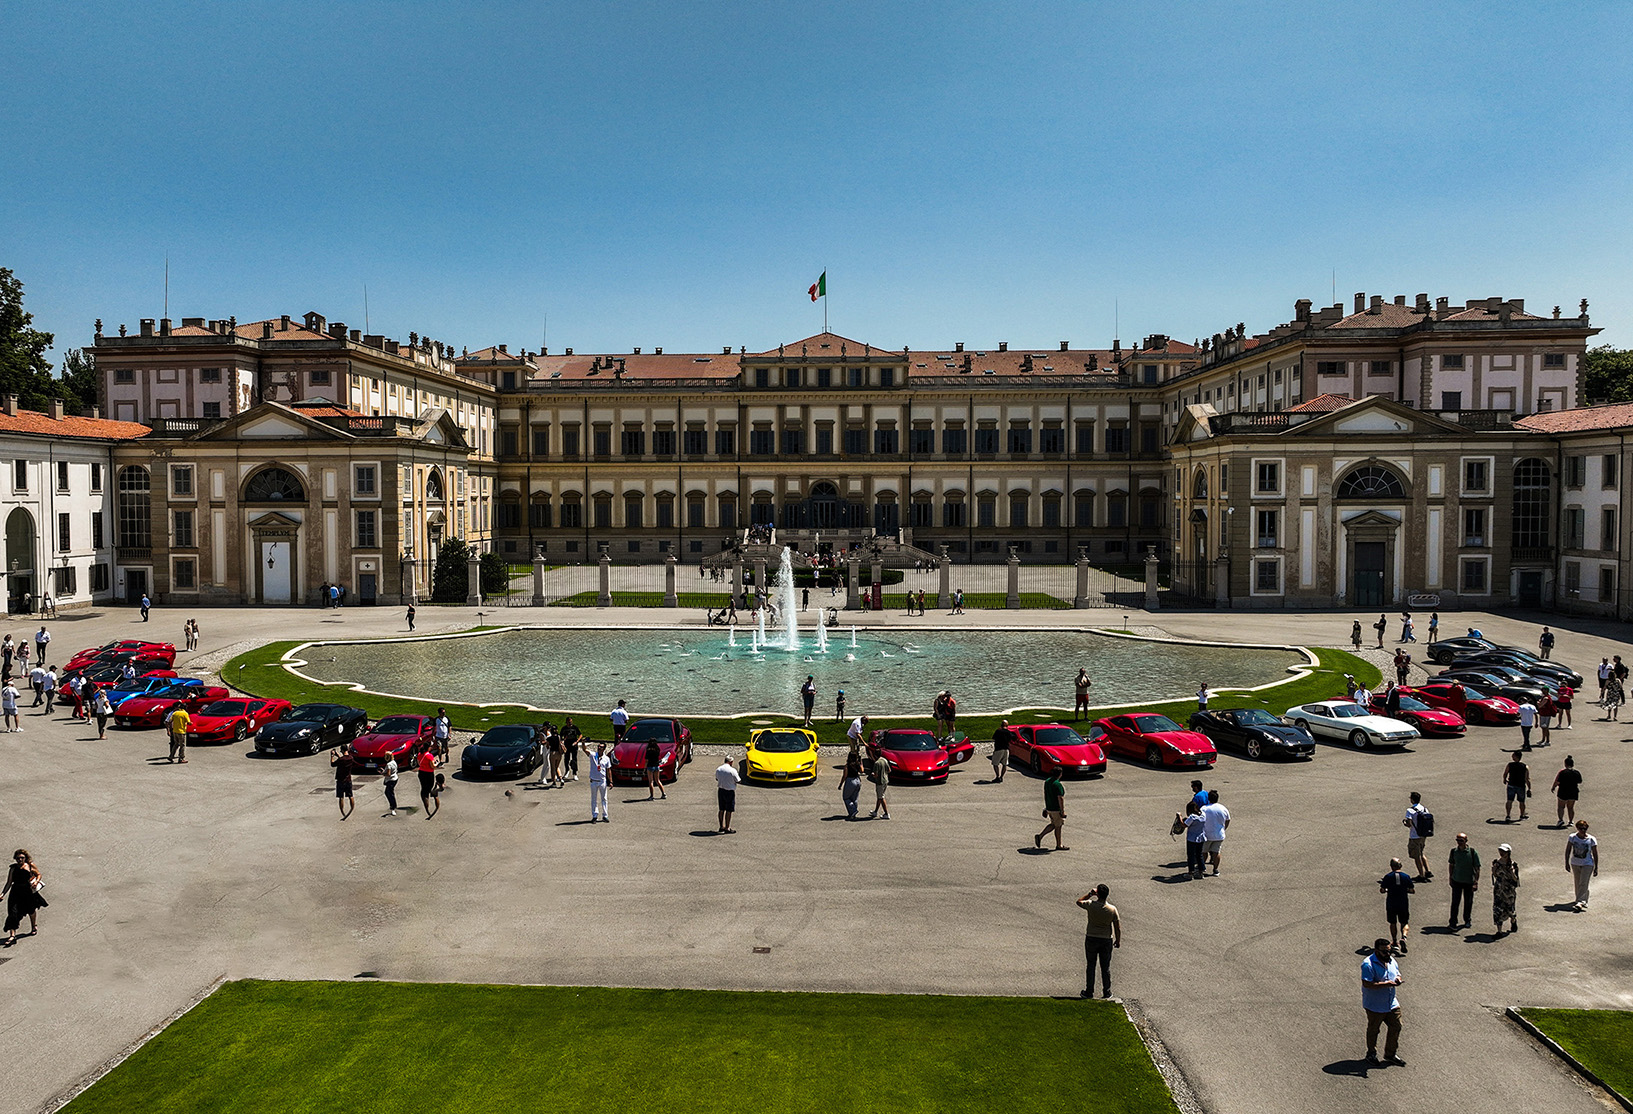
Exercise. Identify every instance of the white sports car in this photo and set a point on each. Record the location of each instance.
(1344, 719)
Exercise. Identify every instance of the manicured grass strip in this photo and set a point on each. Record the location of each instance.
(292, 1048)
(1601, 1040)
(259, 672)
(646, 599)
(893, 601)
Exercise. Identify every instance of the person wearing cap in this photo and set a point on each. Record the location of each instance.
(1505, 880)
(856, 733)
(807, 695)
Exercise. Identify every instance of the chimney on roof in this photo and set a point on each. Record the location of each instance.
(1360, 301)
(657, 350)
(958, 347)
(11, 405)
(316, 322)
(147, 326)
(1116, 348)
(1064, 345)
(284, 327)
(1400, 299)
(164, 326)
(1493, 304)
(96, 411)
(338, 330)
(569, 351)
(1026, 362)
(355, 336)
(1556, 313)
(266, 330)
(1003, 346)
(1423, 303)
(1301, 310)
(1505, 312)
(1443, 308)
(57, 409)
(636, 352)
(1518, 304)
(725, 350)
(1377, 305)
(192, 322)
(504, 350)
(1094, 362)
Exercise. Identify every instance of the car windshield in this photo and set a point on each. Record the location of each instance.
(397, 725)
(781, 742)
(1056, 737)
(511, 735)
(649, 729)
(1150, 725)
(1346, 711)
(1248, 717)
(225, 708)
(910, 740)
(1413, 704)
(310, 713)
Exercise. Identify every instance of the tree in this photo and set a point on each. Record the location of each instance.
(1607, 374)
(448, 579)
(24, 370)
(495, 575)
(80, 386)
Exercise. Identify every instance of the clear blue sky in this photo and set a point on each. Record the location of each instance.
(678, 174)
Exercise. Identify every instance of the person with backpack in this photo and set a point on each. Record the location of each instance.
(1420, 827)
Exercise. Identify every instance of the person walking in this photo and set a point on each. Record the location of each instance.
(1604, 677)
(1615, 696)
(410, 617)
(1380, 626)
(146, 605)
(49, 684)
(881, 787)
(1397, 888)
(1216, 819)
(442, 730)
(177, 723)
(570, 735)
(23, 895)
(600, 763)
(1505, 881)
(102, 708)
(1463, 871)
(1380, 975)
(36, 681)
(839, 706)
(1082, 684)
(1355, 634)
(726, 778)
(1528, 720)
(1195, 829)
(654, 768)
(1546, 709)
(1545, 644)
(438, 788)
(620, 722)
(1562, 704)
(1199, 795)
(807, 695)
(42, 640)
(1434, 626)
(1102, 935)
(1581, 862)
(389, 784)
(1406, 627)
(1001, 738)
(8, 706)
(344, 764)
(1054, 810)
(1517, 780)
(850, 785)
(1567, 787)
(22, 656)
(1419, 825)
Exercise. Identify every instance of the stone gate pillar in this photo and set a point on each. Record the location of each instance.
(669, 597)
(1151, 563)
(604, 597)
(1013, 598)
(473, 581)
(538, 577)
(944, 595)
(853, 591)
(1082, 597)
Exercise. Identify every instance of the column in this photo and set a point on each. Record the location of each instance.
(853, 594)
(736, 579)
(604, 597)
(669, 597)
(1221, 581)
(473, 581)
(1151, 562)
(1082, 598)
(1013, 598)
(406, 571)
(944, 595)
(538, 577)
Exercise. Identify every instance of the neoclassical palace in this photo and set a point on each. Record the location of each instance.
(1352, 456)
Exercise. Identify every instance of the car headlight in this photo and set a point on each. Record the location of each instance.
(303, 732)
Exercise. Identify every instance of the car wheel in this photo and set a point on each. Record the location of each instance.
(239, 734)
(1037, 763)
(1304, 726)
(1255, 749)
(1358, 739)
(1153, 756)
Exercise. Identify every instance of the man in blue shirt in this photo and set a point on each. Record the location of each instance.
(1380, 975)
(1396, 886)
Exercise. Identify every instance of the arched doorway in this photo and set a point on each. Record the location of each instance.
(276, 533)
(19, 560)
(824, 506)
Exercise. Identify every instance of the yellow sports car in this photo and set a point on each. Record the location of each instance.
(781, 754)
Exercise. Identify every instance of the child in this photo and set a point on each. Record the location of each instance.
(436, 797)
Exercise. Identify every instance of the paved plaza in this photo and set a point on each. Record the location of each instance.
(163, 879)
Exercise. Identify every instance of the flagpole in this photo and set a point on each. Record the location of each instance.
(824, 299)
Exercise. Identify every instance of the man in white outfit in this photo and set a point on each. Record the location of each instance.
(600, 763)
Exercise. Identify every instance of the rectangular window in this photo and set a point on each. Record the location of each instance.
(1085, 438)
(1052, 440)
(793, 442)
(186, 577)
(856, 441)
(602, 441)
(572, 515)
(1575, 470)
(96, 529)
(1379, 367)
(923, 442)
(569, 442)
(825, 376)
(696, 442)
(762, 377)
(858, 377)
(507, 381)
(634, 442)
(1607, 529)
(1573, 577)
(19, 475)
(1117, 439)
(825, 440)
(728, 514)
(1051, 513)
(99, 578)
(1608, 469)
(887, 377)
(66, 581)
(65, 532)
(1451, 400)
(760, 442)
(509, 441)
(1607, 583)
(541, 440)
(1575, 519)
(181, 479)
(634, 513)
(1453, 360)
(1475, 476)
(666, 514)
(663, 443)
(725, 441)
(62, 475)
(1017, 511)
(955, 441)
(986, 441)
(181, 529)
(791, 377)
(920, 514)
(538, 514)
(1085, 509)
(320, 378)
(1148, 438)
(1267, 529)
(952, 514)
(1474, 526)
(124, 375)
(1269, 476)
(1323, 367)
(603, 514)
(694, 514)
(368, 536)
(96, 477)
(1150, 512)
(1117, 510)
(1553, 359)
(986, 513)
(1266, 575)
(1148, 373)
(211, 410)
(363, 480)
(885, 441)
(1474, 575)
(1020, 440)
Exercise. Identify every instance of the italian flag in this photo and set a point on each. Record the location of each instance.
(819, 288)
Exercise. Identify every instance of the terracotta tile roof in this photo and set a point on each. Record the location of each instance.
(197, 331)
(1613, 416)
(491, 354)
(1040, 361)
(44, 425)
(1389, 316)
(1322, 404)
(822, 343)
(323, 408)
(1481, 313)
(296, 330)
(647, 365)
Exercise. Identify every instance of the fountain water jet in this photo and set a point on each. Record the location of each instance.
(822, 637)
(786, 601)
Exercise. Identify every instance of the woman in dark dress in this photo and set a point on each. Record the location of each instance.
(23, 896)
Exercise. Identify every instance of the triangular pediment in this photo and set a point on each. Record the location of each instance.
(271, 421)
(1373, 518)
(1378, 416)
(274, 521)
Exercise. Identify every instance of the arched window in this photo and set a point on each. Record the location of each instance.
(433, 487)
(274, 485)
(1532, 483)
(134, 502)
(1199, 487)
(1371, 481)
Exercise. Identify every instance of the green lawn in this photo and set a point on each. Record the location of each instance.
(894, 601)
(285, 1048)
(259, 671)
(1601, 1040)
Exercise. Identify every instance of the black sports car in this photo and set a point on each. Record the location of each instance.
(511, 750)
(1543, 669)
(1253, 732)
(1449, 648)
(1520, 692)
(310, 728)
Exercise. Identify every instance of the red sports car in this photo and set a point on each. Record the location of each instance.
(402, 737)
(1427, 719)
(1493, 709)
(915, 755)
(133, 648)
(150, 710)
(1047, 747)
(234, 719)
(1156, 739)
(629, 756)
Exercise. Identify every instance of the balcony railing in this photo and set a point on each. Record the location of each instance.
(132, 554)
(1533, 553)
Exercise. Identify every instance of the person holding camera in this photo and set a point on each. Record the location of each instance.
(1103, 934)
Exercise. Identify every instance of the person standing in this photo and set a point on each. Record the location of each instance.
(426, 766)
(1545, 717)
(1054, 809)
(23, 895)
(1562, 704)
(620, 722)
(102, 708)
(8, 707)
(177, 723)
(1083, 684)
(850, 785)
(1567, 787)
(1380, 626)
(1199, 795)
(49, 684)
(1505, 881)
(438, 788)
(341, 759)
(881, 787)
(856, 733)
(147, 605)
(654, 768)
(1434, 626)
(1216, 819)
(551, 771)
(726, 778)
(1517, 779)
(1463, 871)
(1417, 837)
(1103, 934)
(1545, 644)
(410, 617)
(807, 695)
(42, 640)
(1380, 975)
(570, 735)
(1195, 829)
(839, 706)
(1615, 695)
(804, 598)
(1001, 738)
(1604, 677)
(1202, 695)
(389, 785)
(1397, 888)
(1528, 720)
(442, 730)
(1581, 862)
(600, 763)
(921, 601)
(1355, 634)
